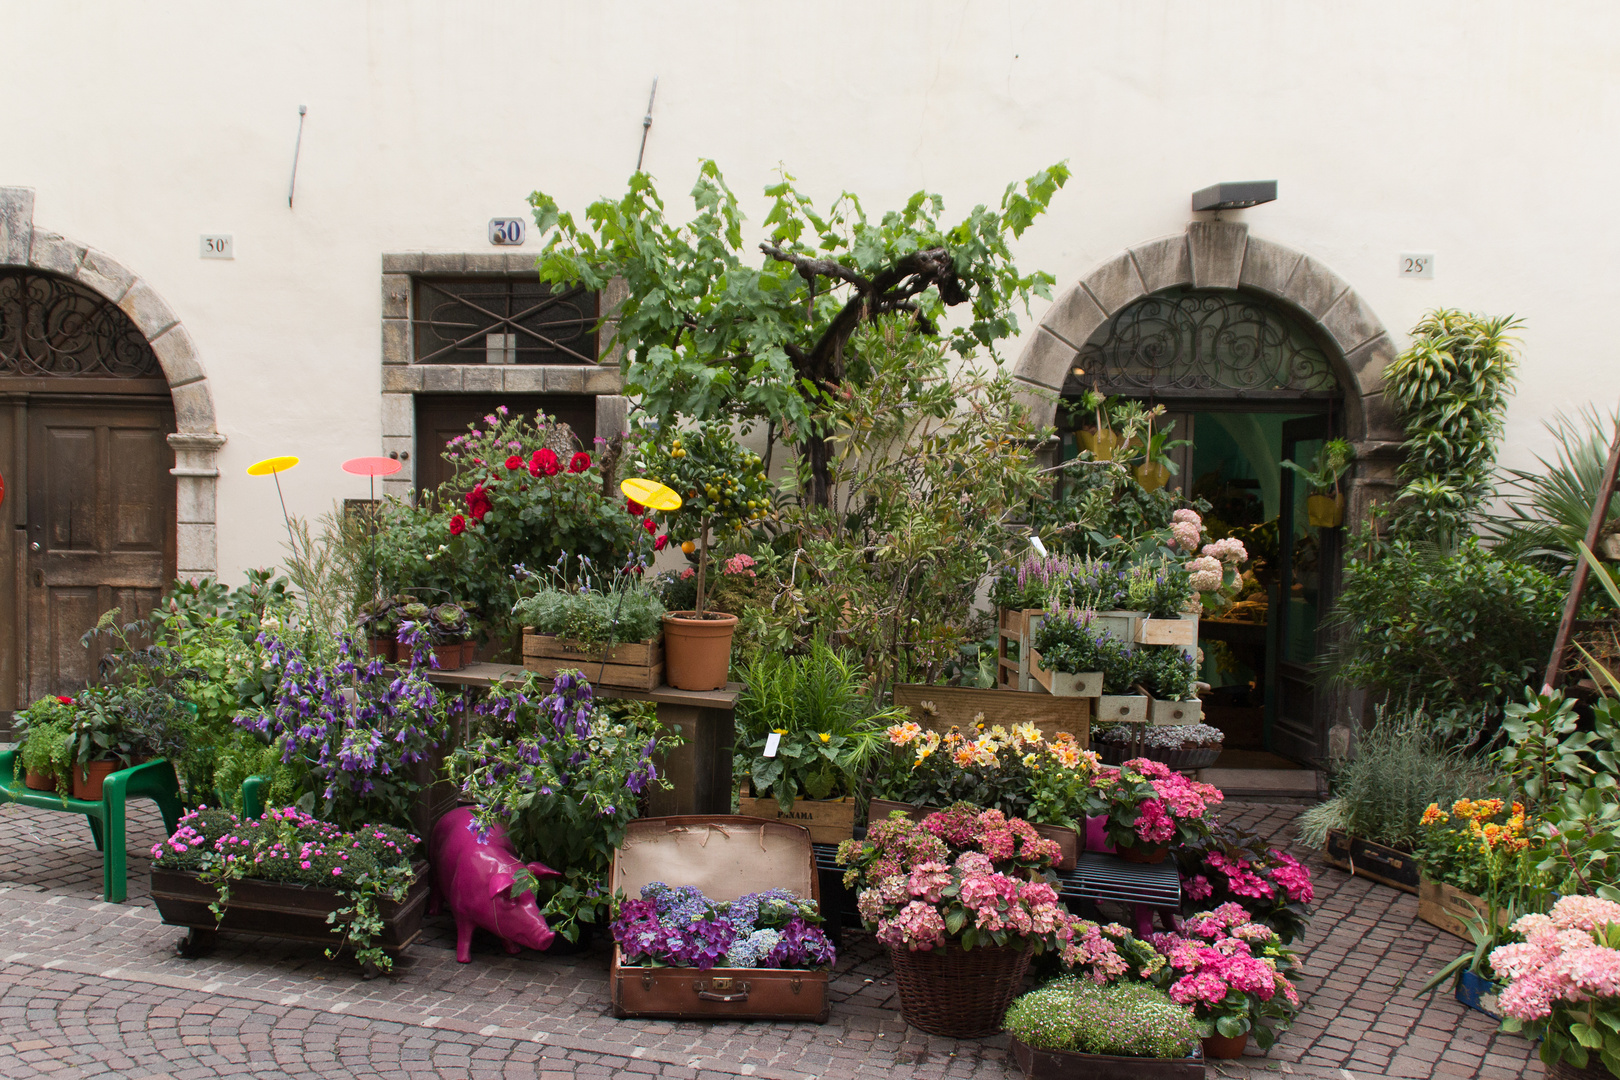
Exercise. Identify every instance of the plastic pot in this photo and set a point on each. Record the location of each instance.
(697, 651)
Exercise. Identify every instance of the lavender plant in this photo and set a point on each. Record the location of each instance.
(565, 776)
(355, 729)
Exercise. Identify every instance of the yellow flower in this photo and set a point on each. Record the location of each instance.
(826, 738)
(1434, 815)
(780, 730)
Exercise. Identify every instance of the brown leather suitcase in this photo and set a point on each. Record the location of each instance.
(726, 856)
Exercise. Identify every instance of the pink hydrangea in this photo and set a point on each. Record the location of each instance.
(1187, 515)
(1229, 550)
(1186, 535)
(1560, 962)
(1205, 573)
(1153, 825)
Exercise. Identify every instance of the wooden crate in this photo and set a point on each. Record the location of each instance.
(830, 821)
(1183, 631)
(956, 706)
(1086, 684)
(1445, 906)
(1172, 713)
(1385, 865)
(636, 665)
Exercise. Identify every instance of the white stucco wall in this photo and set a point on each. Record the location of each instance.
(1480, 131)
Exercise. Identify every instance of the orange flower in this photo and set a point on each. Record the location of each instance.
(1434, 815)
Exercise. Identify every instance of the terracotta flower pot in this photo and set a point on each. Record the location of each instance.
(381, 647)
(39, 781)
(448, 656)
(87, 779)
(1225, 1046)
(1149, 855)
(469, 652)
(697, 652)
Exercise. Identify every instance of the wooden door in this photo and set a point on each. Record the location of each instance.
(100, 528)
(441, 417)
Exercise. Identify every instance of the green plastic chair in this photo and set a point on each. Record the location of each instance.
(153, 780)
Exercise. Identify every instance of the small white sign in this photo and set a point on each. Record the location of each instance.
(772, 741)
(1417, 264)
(506, 231)
(216, 246)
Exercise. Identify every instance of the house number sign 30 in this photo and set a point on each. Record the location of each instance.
(506, 231)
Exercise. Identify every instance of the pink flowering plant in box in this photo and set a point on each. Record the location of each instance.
(1563, 981)
(1106, 953)
(1232, 972)
(1149, 806)
(960, 875)
(364, 866)
(1233, 865)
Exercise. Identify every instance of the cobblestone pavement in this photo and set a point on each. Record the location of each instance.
(90, 989)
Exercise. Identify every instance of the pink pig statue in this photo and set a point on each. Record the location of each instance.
(476, 877)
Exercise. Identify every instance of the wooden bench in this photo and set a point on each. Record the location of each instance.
(153, 780)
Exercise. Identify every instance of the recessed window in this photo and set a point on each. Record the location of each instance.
(501, 320)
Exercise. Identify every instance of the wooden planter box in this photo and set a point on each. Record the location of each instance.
(1064, 683)
(1015, 628)
(1122, 709)
(1172, 713)
(1478, 993)
(1182, 631)
(277, 909)
(637, 665)
(830, 821)
(1120, 624)
(939, 708)
(725, 856)
(1385, 865)
(1063, 1065)
(1445, 906)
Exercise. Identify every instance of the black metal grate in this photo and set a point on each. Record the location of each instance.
(51, 327)
(498, 320)
(1206, 341)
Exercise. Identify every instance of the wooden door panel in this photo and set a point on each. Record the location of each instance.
(101, 512)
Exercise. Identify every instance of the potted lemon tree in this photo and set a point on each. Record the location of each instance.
(723, 487)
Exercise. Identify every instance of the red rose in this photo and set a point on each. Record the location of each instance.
(579, 462)
(64, 700)
(544, 461)
(458, 525)
(478, 503)
(661, 543)
(650, 525)
(514, 462)
(635, 508)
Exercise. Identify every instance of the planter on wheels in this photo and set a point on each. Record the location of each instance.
(697, 651)
(959, 993)
(1069, 1065)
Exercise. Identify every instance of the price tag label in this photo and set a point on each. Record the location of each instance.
(772, 741)
(216, 246)
(1417, 264)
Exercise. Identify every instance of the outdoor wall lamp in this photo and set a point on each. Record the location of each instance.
(1235, 195)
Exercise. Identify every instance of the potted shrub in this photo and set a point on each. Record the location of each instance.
(1171, 679)
(1560, 986)
(1122, 701)
(1075, 1028)
(1100, 586)
(1234, 974)
(1183, 747)
(379, 622)
(612, 630)
(948, 895)
(1161, 588)
(807, 731)
(1069, 653)
(1145, 808)
(1471, 858)
(1324, 506)
(448, 629)
(105, 736)
(1233, 865)
(291, 875)
(723, 487)
(47, 745)
(1015, 771)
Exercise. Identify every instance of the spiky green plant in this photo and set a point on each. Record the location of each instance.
(1546, 510)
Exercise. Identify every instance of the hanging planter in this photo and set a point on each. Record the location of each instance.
(1325, 511)
(1152, 476)
(1102, 444)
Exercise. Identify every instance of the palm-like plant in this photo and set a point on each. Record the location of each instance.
(1546, 510)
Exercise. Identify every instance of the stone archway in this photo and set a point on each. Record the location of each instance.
(196, 442)
(1222, 255)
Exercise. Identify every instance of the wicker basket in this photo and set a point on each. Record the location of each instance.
(1182, 759)
(959, 993)
(1562, 1070)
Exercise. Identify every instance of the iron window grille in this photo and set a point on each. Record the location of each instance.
(501, 320)
(51, 327)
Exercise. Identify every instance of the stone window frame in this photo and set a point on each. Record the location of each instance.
(403, 378)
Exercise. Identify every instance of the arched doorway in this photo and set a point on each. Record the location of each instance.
(1260, 354)
(107, 447)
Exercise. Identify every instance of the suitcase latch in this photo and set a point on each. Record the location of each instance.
(795, 984)
(721, 989)
(647, 980)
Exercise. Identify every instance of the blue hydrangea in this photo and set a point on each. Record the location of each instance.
(772, 907)
(747, 952)
(678, 904)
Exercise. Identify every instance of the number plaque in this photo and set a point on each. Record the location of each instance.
(506, 231)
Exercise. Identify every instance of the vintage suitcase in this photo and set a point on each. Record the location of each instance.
(726, 856)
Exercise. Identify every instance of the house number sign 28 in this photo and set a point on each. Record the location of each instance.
(506, 231)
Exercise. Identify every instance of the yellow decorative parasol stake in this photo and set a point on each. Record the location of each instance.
(650, 493)
(275, 466)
